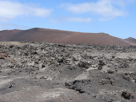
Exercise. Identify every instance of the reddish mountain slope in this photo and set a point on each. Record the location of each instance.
(6, 35)
(63, 37)
(131, 40)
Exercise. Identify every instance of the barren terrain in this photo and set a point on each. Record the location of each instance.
(63, 37)
(45, 72)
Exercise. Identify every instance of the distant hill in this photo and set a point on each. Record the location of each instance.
(62, 37)
(131, 40)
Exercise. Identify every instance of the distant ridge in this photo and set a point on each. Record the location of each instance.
(131, 40)
(62, 37)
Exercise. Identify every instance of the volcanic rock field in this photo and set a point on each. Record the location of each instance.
(47, 72)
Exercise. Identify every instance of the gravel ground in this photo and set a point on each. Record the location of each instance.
(45, 72)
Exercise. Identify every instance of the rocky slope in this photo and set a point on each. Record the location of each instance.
(44, 72)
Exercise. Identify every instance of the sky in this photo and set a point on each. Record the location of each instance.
(115, 17)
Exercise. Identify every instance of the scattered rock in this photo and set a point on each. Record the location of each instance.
(43, 64)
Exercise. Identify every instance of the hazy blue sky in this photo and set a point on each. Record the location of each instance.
(115, 17)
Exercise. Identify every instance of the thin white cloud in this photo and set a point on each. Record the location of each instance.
(71, 19)
(9, 26)
(78, 19)
(107, 9)
(11, 10)
(122, 3)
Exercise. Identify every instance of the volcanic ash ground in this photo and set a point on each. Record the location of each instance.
(43, 72)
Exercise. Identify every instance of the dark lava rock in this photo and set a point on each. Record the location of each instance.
(83, 64)
(127, 95)
(81, 86)
(110, 71)
(124, 65)
(107, 80)
(10, 86)
(101, 64)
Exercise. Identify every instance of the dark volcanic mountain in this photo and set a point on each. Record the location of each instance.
(132, 40)
(63, 37)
